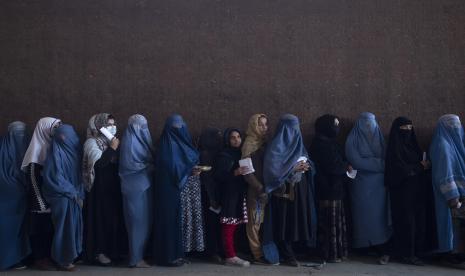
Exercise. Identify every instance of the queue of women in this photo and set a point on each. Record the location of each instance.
(140, 204)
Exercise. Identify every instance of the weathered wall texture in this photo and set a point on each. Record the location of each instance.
(218, 61)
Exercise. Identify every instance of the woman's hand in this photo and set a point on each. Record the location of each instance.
(302, 166)
(350, 168)
(454, 203)
(114, 144)
(196, 171)
(426, 164)
(240, 171)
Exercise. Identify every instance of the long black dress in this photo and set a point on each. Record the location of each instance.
(105, 231)
(210, 144)
(409, 191)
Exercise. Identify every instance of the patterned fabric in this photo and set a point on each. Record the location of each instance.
(332, 230)
(237, 221)
(191, 215)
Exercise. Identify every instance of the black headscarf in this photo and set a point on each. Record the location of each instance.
(210, 140)
(403, 154)
(234, 153)
(326, 126)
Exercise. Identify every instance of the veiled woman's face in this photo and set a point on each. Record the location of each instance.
(235, 139)
(263, 125)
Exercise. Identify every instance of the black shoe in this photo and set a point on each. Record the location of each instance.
(412, 261)
(262, 261)
(290, 262)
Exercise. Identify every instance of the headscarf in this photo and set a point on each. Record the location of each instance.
(62, 177)
(235, 153)
(94, 147)
(176, 153)
(283, 152)
(366, 137)
(254, 139)
(40, 142)
(448, 157)
(136, 154)
(402, 150)
(210, 140)
(326, 126)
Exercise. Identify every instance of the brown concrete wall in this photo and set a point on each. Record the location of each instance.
(218, 61)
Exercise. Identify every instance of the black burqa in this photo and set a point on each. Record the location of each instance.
(210, 144)
(410, 192)
(329, 159)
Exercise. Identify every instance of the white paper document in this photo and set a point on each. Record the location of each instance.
(107, 134)
(352, 174)
(247, 162)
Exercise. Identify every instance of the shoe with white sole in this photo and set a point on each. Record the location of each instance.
(236, 261)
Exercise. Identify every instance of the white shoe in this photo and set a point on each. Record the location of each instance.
(236, 261)
(142, 264)
(101, 258)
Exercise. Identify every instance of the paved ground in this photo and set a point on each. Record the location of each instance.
(356, 266)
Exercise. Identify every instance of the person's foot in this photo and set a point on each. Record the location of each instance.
(337, 260)
(19, 266)
(103, 260)
(177, 263)
(44, 264)
(142, 264)
(290, 262)
(216, 259)
(384, 260)
(262, 261)
(69, 268)
(236, 261)
(412, 261)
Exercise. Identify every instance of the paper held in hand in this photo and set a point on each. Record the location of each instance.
(247, 162)
(352, 174)
(302, 158)
(107, 134)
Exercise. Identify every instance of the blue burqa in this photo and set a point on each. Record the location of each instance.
(176, 157)
(281, 156)
(64, 191)
(14, 240)
(447, 153)
(135, 170)
(371, 223)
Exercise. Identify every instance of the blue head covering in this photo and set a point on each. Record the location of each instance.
(176, 153)
(448, 156)
(136, 155)
(63, 165)
(12, 149)
(283, 152)
(366, 137)
(13, 196)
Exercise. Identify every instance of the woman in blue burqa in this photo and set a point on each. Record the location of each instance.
(63, 189)
(371, 225)
(292, 190)
(175, 162)
(13, 197)
(136, 170)
(448, 165)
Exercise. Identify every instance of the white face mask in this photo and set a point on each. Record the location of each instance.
(112, 130)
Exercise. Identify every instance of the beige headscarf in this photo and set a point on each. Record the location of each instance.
(254, 140)
(94, 147)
